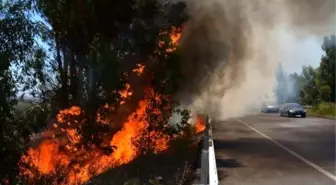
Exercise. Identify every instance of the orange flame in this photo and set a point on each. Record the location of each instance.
(62, 151)
(199, 126)
(82, 164)
(175, 36)
(125, 93)
(139, 69)
(123, 139)
(46, 157)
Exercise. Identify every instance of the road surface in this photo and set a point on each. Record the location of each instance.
(271, 150)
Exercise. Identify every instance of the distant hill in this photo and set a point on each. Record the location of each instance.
(24, 104)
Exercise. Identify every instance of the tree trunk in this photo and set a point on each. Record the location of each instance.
(74, 81)
(64, 86)
(92, 93)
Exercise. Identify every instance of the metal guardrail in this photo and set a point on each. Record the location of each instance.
(208, 160)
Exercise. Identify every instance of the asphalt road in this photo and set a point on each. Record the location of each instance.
(271, 150)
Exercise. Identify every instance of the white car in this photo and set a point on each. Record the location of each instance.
(270, 108)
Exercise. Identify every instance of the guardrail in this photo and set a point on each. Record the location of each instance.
(208, 160)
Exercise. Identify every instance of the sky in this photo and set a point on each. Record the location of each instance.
(300, 52)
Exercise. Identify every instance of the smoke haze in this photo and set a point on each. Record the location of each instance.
(232, 50)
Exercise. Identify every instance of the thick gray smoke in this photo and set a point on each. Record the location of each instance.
(232, 49)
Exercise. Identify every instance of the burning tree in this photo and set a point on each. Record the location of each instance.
(117, 79)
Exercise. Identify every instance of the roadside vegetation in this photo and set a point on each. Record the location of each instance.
(101, 77)
(323, 109)
(313, 86)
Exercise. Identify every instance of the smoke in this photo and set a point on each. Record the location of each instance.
(232, 50)
(288, 86)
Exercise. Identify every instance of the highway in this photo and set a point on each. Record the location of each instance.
(268, 149)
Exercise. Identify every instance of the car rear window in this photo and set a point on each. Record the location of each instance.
(294, 105)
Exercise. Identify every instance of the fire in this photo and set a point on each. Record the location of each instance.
(80, 164)
(123, 139)
(74, 111)
(200, 126)
(64, 154)
(45, 157)
(126, 92)
(176, 35)
(139, 69)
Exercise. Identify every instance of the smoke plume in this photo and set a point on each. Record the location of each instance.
(232, 50)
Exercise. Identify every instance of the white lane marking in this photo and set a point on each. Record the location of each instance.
(318, 168)
(286, 125)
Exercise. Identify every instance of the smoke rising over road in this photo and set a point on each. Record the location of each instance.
(232, 50)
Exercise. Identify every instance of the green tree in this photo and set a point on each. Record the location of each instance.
(326, 71)
(310, 88)
(16, 47)
(324, 93)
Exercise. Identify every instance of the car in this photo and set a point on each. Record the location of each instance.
(270, 108)
(292, 110)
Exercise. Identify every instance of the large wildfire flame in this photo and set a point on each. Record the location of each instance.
(57, 153)
(62, 152)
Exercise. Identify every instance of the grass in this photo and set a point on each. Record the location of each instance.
(323, 110)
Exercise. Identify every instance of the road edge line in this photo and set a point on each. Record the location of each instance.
(316, 167)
